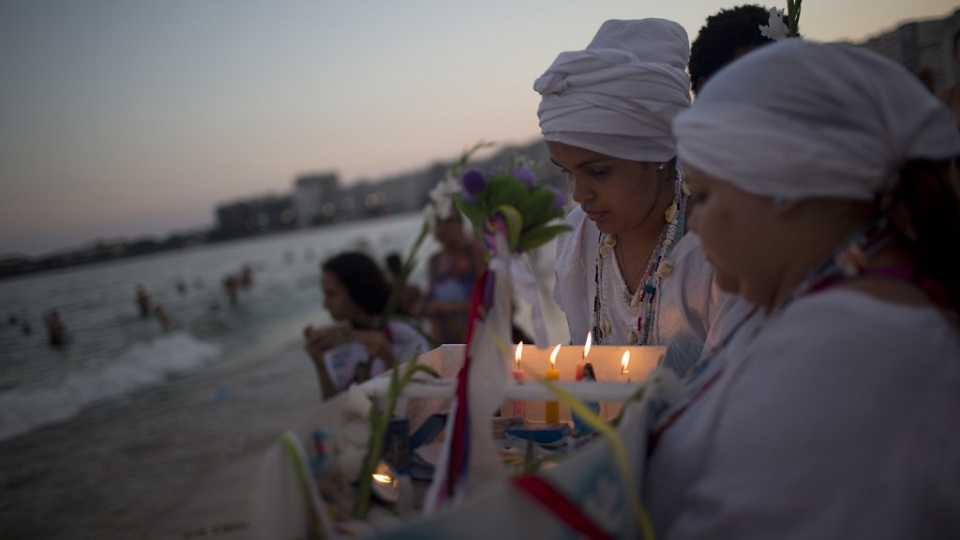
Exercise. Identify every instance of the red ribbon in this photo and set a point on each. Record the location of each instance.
(555, 501)
(460, 447)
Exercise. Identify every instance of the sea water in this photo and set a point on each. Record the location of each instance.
(110, 430)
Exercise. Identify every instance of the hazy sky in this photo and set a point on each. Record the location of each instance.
(120, 118)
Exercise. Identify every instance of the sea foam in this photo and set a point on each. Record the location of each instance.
(145, 364)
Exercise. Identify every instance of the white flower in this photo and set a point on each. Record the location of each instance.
(775, 28)
(357, 404)
(441, 198)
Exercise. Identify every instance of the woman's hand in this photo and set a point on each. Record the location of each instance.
(317, 341)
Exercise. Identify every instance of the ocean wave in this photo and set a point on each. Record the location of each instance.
(23, 410)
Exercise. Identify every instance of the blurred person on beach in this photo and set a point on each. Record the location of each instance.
(451, 274)
(246, 276)
(834, 415)
(231, 285)
(727, 35)
(162, 318)
(627, 272)
(411, 297)
(143, 302)
(359, 344)
(56, 329)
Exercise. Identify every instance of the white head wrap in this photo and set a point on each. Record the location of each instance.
(619, 95)
(798, 119)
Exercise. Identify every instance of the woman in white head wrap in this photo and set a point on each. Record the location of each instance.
(821, 175)
(627, 273)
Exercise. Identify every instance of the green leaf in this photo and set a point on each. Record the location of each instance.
(540, 235)
(474, 213)
(514, 221)
(536, 207)
(503, 190)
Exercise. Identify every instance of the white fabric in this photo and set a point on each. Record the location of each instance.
(835, 419)
(693, 311)
(798, 119)
(406, 341)
(619, 95)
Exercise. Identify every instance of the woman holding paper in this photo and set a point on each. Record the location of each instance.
(355, 292)
(825, 196)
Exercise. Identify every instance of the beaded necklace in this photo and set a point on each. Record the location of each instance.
(641, 303)
(846, 261)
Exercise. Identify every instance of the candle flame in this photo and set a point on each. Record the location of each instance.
(624, 362)
(382, 478)
(553, 356)
(517, 354)
(587, 344)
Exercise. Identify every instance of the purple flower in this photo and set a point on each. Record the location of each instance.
(473, 182)
(525, 176)
(559, 199)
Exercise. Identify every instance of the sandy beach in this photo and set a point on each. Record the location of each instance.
(217, 505)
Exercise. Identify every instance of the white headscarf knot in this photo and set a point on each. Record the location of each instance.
(619, 95)
(798, 119)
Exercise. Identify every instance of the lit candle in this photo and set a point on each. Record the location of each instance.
(578, 372)
(552, 408)
(385, 485)
(579, 426)
(624, 362)
(518, 406)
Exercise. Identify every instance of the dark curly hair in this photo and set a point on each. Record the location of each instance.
(924, 209)
(363, 279)
(726, 35)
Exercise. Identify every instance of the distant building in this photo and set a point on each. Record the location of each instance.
(407, 193)
(364, 200)
(923, 46)
(255, 216)
(316, 198)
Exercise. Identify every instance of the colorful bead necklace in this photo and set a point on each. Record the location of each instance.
(846, 261)
(642, 302)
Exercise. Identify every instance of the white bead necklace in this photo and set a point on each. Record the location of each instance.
(641, 303)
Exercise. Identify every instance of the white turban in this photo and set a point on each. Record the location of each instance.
(619, 95)
(798, 119)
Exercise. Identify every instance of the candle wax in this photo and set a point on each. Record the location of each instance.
(552, 408)
(518, 406)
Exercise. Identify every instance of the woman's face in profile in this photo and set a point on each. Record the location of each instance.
(616, 194)
(336, 299)
(448, 229)
(735, 228)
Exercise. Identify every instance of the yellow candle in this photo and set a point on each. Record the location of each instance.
(552, 408)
